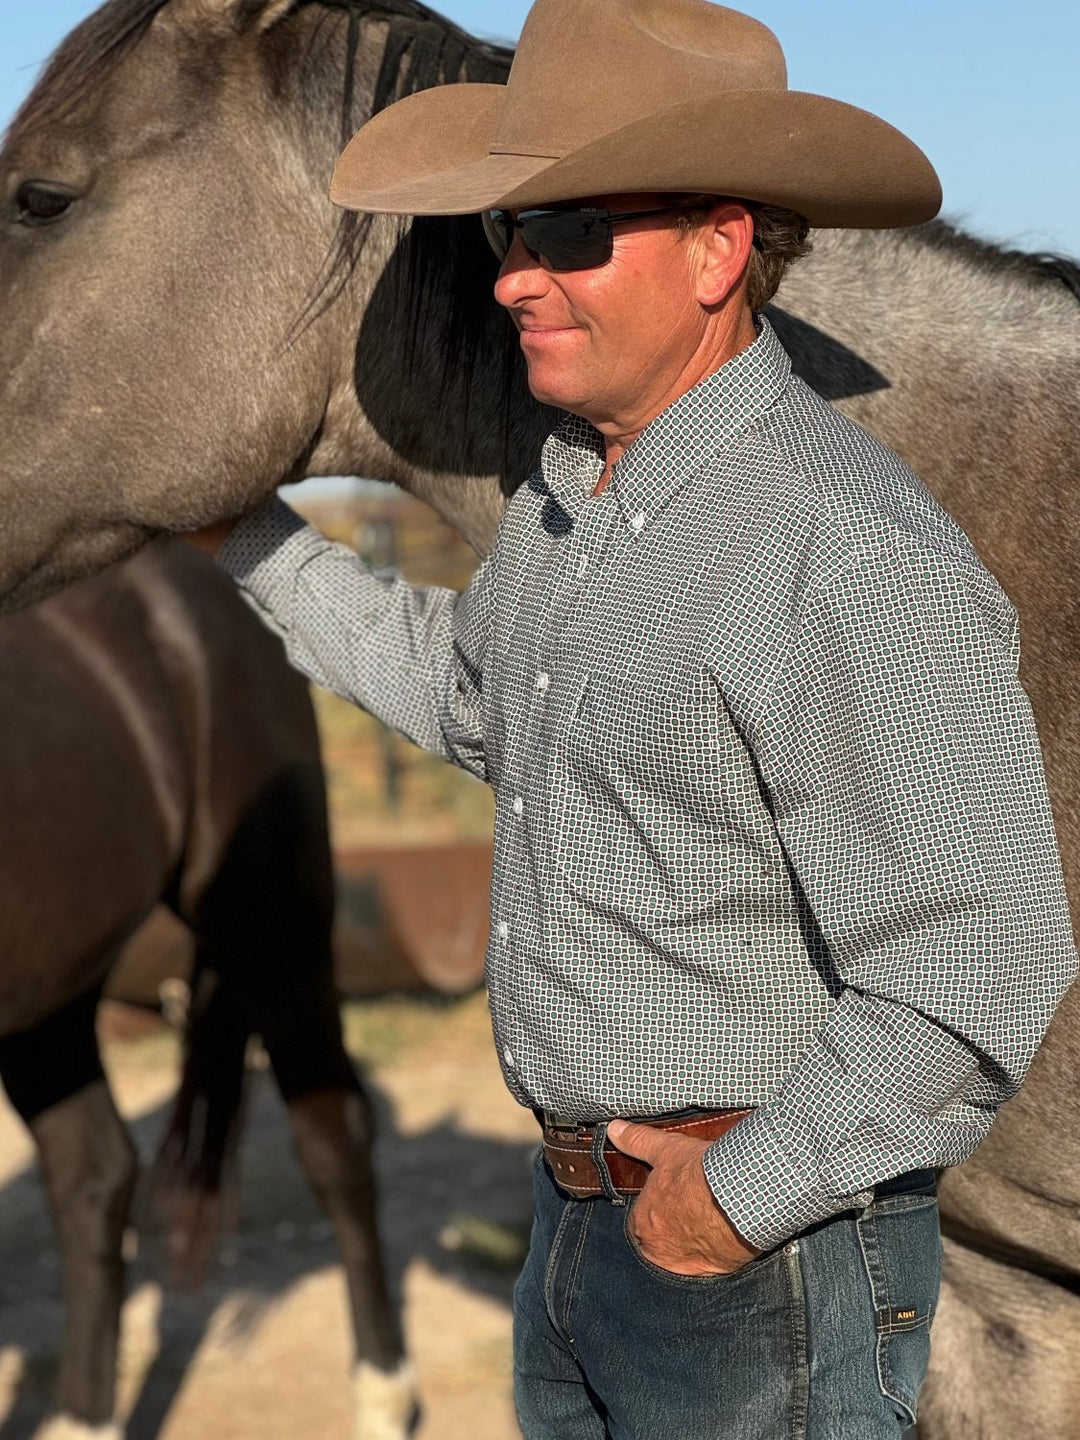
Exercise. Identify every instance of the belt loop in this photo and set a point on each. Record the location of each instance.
(600, 1161)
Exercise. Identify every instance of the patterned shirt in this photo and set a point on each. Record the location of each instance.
(772, 828)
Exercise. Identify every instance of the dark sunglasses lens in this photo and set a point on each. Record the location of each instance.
(570, 240)
(499, 229)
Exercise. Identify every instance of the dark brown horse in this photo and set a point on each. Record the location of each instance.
(157, 747)
(187, 320)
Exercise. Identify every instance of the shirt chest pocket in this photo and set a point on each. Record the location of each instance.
(654, 805)
(648, 751)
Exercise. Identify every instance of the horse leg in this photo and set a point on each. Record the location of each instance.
(331, 1120)
(264, 912)
(55, 1082)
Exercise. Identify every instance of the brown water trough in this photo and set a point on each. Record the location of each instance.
(414, 919)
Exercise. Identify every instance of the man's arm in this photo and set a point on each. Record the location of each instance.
(413, 656)
(900, 758)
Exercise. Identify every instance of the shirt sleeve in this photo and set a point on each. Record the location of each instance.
(413, 656)
(900, 760)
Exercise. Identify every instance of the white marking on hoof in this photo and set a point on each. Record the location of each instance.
(384, 1402)
(66, 1427)
(175, 997)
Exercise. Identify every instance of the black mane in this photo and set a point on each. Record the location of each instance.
(1038, 267)
(423, 49)
(83, 59)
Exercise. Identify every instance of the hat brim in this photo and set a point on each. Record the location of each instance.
(837, 165)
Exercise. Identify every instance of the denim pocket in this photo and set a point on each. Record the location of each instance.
(691, 1282)
(901, 1248)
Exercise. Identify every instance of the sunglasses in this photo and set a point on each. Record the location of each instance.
(563, 239)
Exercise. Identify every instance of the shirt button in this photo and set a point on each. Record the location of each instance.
(504, 930)
(519, 806)
(508, 1056)
(637, 524)
(583, 565)
(543, 681)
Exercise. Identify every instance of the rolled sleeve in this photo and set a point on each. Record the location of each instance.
(900, 761)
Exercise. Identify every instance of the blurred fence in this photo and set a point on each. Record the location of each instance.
(383, 791)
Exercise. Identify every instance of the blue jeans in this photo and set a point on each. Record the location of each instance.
(825, 1338)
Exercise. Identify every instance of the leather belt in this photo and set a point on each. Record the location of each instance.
(569, 1149)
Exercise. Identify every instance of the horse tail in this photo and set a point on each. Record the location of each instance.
(194, 1180)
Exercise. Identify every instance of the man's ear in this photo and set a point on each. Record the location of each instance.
(225, 16)
(726, 240)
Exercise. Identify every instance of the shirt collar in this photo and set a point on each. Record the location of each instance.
(572, 463)
(678, 443)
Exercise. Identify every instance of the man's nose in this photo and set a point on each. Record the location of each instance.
(522, 275)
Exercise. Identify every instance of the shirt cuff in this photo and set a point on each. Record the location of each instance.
(265, 552)
(764, 1191)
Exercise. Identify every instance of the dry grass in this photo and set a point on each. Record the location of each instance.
(384, 791)
(387, 1032)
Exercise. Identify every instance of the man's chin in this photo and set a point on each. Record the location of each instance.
(558, 395)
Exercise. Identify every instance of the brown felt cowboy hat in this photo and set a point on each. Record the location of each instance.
(613, 96)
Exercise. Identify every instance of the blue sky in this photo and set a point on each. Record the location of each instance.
(988, 89)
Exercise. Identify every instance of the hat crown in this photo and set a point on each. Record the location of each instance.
(585, 66)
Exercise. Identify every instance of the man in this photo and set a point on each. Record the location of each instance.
(775, 874)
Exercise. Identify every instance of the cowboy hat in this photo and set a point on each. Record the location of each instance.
(623, 96)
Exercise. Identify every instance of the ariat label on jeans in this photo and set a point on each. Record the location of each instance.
(899, 1318)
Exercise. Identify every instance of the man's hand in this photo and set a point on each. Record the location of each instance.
(211, 539)
(675, 1220)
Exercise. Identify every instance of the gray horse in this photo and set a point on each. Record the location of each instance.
(188, 320)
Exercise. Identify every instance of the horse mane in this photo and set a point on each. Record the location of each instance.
(83, 59)
(422, 49)
(1035, 267)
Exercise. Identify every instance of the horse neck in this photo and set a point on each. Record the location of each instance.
(449, 418)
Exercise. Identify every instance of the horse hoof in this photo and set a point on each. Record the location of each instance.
(66, 1427)
(384, 1402)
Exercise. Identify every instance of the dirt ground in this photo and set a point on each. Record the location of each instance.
(264, 1351)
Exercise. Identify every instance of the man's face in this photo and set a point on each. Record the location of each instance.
(610, 343)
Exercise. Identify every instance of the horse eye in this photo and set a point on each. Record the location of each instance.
(39, 204)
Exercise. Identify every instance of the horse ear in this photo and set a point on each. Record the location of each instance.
(228, 15)
(268, 12)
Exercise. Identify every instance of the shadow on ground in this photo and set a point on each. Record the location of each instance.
(459, 1202)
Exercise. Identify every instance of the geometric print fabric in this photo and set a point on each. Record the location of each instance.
(771, 822)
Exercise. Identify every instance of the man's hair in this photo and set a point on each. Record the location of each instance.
(780, 237)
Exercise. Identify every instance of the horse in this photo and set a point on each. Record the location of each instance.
(188, 321)
(158, 748)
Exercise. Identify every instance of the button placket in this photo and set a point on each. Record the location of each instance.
(586, 551)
